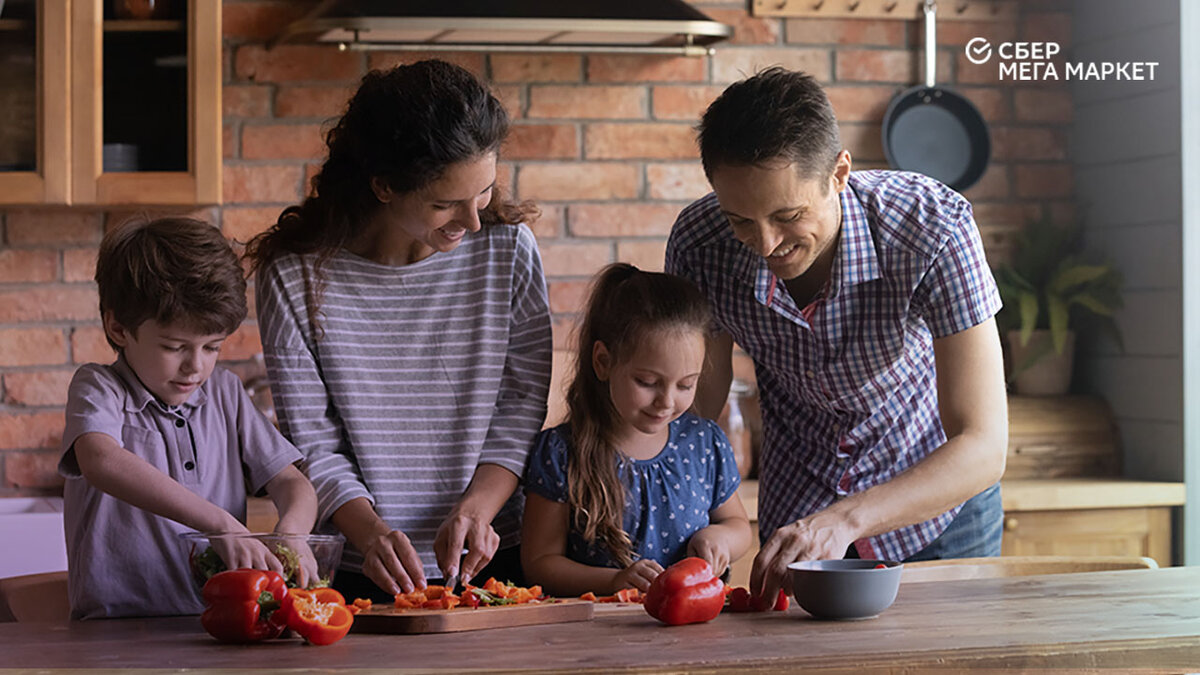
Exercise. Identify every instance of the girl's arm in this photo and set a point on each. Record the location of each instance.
(727, 537)
(295, 500)
(543, 556)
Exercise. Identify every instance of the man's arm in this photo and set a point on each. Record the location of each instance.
(716, 376)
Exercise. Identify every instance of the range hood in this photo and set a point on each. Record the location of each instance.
(621, 26)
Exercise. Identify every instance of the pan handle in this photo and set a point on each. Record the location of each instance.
(930, 43)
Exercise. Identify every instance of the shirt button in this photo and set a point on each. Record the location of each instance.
(179, 423)
(189, 465)
(809, 373)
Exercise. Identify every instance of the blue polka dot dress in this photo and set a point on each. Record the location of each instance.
(668, 497)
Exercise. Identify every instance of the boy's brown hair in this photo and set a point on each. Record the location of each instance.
(174, 271)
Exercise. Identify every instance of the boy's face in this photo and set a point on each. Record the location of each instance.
(170, 360)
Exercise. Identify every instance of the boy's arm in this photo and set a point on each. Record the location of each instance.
(294, 499)
(124, 475)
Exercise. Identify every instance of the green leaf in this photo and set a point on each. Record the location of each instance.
(1071, 276)
(1029, 315)
(1059, 315)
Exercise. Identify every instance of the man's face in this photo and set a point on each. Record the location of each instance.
(788, 218)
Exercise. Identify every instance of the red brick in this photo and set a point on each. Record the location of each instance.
(28, 265)
(646, 255)
(654, 140)
(1063, 212)
(878, 65)
(537, 67)
(324, 101)
(993, 184)
(53, 227)
(229, 141)
(79, 264)
(259, 21)
(747, 29)
(1004, 212)
(568, 297)
(970, 73)
(243, 344)
(622, 220)
(34, 469)
(32, 347)
(1009, 143)
(631, 68)
(574, 259)
(246, 101)
(810, 31)
(685, 181)
(89, 346)
(296, 63)
(272, 183)
(959, 33)
(1044, 180)
(472, 61)
(1043, 105)
(549, 222)
(860, 103)
(49, 303)
(310, 171)
(864, 141)
(541, 141)
(684, 102)
(587, 102)
(992, 102)
(242, 223)
(577, 180)
(33, 430)
(511, 97)
(282, 141)
(1047, 27)
(731, 65)
(120, 217)
(46, 387)
(560, 378)
(563, 333)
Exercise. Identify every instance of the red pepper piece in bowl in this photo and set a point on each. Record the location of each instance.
(320, 616)
(243, 605)
(686, 592)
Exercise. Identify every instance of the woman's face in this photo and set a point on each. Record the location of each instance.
(437, 216)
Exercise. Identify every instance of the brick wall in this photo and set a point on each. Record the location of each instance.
(603, 143)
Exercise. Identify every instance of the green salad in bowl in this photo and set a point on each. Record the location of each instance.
(307, 561)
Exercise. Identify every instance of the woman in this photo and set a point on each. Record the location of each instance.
(406, 331)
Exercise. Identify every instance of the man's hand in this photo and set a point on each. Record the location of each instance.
(822, 536)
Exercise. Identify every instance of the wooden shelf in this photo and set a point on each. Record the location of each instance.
(904, 10)
(143, 26)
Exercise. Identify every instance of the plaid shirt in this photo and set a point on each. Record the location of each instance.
(848, 384)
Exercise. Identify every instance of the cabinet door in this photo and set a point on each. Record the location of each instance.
(146, 102)
(34, 100)
(1126, 531)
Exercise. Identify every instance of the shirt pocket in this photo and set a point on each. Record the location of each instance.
(147, 444)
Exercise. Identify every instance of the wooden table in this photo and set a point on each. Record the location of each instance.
(1137, 618)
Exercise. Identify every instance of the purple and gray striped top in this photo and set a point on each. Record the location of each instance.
(848, 383)
(424, 372)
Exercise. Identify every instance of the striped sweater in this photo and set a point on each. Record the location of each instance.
(424, 372)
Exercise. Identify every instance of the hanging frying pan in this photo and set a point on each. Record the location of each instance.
(933, 130)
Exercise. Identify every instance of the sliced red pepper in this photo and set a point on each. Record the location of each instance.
(320, 616)
(243, 604)
(686, 592)
(739, 600)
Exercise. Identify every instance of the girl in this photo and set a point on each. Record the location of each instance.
(632, 482)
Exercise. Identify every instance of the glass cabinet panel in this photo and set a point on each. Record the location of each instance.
(19, 124)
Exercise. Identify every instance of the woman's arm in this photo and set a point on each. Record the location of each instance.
(544, 559)
(469, 524)
(726, 538)
(389, 558)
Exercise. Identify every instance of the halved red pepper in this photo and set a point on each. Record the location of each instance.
(320, 616)
(243, 605)
(686, 592)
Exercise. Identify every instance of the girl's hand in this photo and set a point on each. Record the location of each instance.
(638, 575)
(468, 531)
(709, 545)
(390, 560)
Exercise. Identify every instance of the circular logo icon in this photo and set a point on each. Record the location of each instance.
(979, 50)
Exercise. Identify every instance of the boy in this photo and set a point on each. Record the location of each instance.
(161, 441)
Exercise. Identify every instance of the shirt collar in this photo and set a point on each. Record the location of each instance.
(857, 260)
(140, 396)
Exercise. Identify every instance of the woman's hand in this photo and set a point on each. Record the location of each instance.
(390, 560)
(465, 531)
(638, 575)
(710, 545)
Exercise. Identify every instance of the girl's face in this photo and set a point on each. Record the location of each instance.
(171, 361)
(438, 216)
(656, 383)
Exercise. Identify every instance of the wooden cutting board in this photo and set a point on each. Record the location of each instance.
(384, 619)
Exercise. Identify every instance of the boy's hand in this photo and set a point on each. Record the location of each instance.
(307, 572)
(638, 575)
(245, 552)
(710, 546)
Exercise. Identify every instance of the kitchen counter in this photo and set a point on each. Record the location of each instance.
(1124, 619)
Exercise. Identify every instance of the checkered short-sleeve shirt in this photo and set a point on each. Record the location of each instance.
(848, 384)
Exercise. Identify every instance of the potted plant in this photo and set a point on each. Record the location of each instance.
(1049, 290)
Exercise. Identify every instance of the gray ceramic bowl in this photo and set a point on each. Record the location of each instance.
(845, 589)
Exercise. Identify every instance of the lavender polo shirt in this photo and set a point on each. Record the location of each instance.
(124, 561)
(848, 383)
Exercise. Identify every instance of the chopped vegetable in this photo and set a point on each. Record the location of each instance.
(319, 616)
(492, 594)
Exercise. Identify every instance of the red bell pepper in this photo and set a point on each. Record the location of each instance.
(243, 604)
(320, 616)
(686, 592)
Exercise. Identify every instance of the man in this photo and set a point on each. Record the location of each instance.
(867, 305)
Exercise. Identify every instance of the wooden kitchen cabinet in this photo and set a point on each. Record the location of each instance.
(129, 110)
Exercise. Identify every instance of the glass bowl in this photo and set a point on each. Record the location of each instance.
(319, 552)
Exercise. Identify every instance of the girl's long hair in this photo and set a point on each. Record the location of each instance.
(406, 126)
(625, 307)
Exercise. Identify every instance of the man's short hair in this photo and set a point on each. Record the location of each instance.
(777, 114)
(173, 270)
